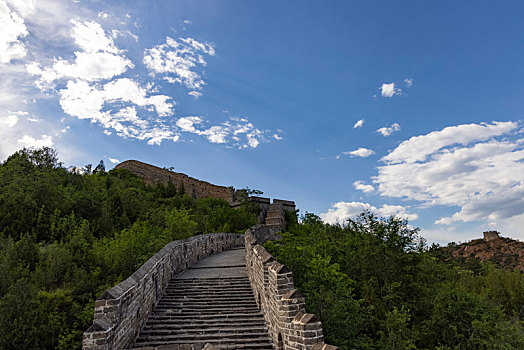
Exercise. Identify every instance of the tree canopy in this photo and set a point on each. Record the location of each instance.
(67, 236)
(376, 285)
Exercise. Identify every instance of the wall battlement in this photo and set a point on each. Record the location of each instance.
(283, 306)
(194, 187)
(270, 213)
(121, 311)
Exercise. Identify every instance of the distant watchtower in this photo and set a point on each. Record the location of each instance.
(491, 235)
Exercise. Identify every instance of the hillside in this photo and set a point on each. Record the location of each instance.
(502, 251)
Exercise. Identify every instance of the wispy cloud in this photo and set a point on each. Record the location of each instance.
(98, 58)
(408, 82)
(358, 124)
(238, 132)
(180, 61)
(13, 30)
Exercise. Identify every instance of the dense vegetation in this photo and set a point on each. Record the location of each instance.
(375, 285)
(66, 237)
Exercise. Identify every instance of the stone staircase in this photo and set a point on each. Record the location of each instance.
(210, 303)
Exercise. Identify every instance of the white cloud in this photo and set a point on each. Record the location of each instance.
(113, 160)
(360, 185)
(389, 130)
(13, 29)
(187, 124)
(359, 124)
(388, 90)
(9, 121)
(342, 211)
(91, 37)
(409, 82)
(227, 132)
(475, 167)
(418, 148)
(98, 60)
(29, 141)
(186, 21)
(177, 61)
(277, 137)
(103, 14)
(195, 94)
(360, 152)
(103, 104)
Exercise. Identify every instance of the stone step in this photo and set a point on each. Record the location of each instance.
(207, 304)
(209, 311)
(209, 285)
(188, 323)
(203, 338)
(222, 346)
(208, 293)
(213, 281)
(198, 329)
(198, 297)
(217, 310)
(231, 317)
(210, 282)
(196, 290)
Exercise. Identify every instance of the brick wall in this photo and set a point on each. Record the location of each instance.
(193, 187)
(121, 311)
(290, 327)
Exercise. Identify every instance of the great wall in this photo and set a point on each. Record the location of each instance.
(213, 291)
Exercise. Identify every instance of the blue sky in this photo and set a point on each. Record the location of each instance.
(409, 108)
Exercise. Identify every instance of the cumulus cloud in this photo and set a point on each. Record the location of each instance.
(360, 152)
(9, 121)
(237, 131)
(122, 105)
(102, 104)
(29, 141)
(343, 211)
(180, 62)
(13, 30)
(361, 186)
(358, 124)
(389, 130)
(388, 90)
(98, 59)
(475, 167)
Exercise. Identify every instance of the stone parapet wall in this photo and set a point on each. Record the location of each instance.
(289, 325)
(121, 311)
(193, 187)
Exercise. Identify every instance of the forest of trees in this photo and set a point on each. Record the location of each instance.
(376, 285)
(67, 236)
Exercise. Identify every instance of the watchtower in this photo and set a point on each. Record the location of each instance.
(491, 235)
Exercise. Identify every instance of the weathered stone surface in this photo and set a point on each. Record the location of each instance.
(196, 188)
(290, 327)
(121, 311)
(211, 302)
(271, 214)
